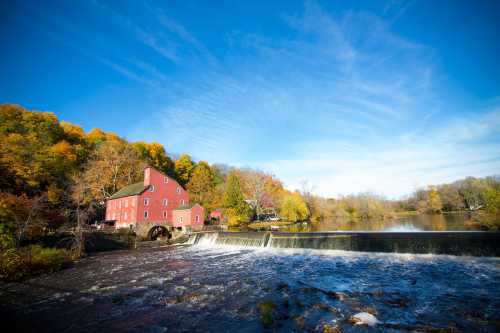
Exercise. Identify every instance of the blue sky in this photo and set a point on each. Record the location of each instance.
(349, 96)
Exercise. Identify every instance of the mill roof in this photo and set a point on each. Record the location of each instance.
(129, 190)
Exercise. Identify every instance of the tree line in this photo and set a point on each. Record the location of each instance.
(480, 196)
(55, 175)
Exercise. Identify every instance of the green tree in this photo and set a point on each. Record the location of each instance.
(183, 169)
(492, 201)
(235, 207)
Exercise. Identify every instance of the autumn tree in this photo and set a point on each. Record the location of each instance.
(154, 154)
(35, 151)
(113, 165)
(201, 185)
(293, 208)
(183, 169)
(434, 204)
(450, 197)
(255, 185)
(22, 216)
(472, 189)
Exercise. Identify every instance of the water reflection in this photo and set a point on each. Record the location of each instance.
(424, 222)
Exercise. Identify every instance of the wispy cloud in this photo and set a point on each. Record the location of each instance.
(346, 104)
(339, 99)
(464, 146)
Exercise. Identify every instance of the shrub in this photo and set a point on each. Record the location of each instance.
(12, 266)
(40, 259)
(17, 264)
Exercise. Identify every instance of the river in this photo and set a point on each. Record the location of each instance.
(421, 222)
(245, 289)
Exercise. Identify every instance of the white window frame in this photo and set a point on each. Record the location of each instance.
(165, 180)
(151, 188)
(146, 201)
(181, 219)
(165, 202)
(182, 202)
(197, 218)
(179, 190)
(146, 214)
(165, 214)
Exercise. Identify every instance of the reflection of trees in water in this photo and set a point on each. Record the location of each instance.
(427, 222)
(435, 222)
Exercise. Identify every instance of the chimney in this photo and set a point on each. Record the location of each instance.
(147, 176)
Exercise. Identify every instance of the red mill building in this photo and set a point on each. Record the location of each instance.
(154, 206)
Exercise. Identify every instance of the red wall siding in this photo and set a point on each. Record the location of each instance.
(161, 187)
(161, 191)
(188, 216)
(123, 210)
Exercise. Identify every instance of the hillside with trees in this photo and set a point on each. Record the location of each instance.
(55, 175)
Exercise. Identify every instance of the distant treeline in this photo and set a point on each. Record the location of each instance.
(479, 195)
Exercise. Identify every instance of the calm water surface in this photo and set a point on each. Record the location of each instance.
(424, 222)
(219, 289)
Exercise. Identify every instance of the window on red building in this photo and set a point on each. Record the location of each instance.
(146, 201)
(146, 214)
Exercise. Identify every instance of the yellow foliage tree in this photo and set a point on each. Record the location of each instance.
(293, 208)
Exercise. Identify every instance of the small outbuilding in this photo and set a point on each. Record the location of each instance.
(216, 214)
(188, 217)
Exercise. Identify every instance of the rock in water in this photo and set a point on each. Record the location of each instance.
(364, 318)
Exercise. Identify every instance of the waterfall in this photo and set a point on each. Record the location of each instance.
(203, 239)
(475, 243)
(252, 239)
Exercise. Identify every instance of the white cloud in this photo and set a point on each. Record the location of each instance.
(347, 105)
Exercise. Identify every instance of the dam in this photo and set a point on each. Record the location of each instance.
(469, 243)
(238, 281)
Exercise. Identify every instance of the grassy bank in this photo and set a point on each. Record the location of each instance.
(22, 263)
(268, 224)
(53, 252)
(485, 221)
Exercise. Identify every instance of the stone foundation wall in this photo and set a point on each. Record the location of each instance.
(142, 228)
